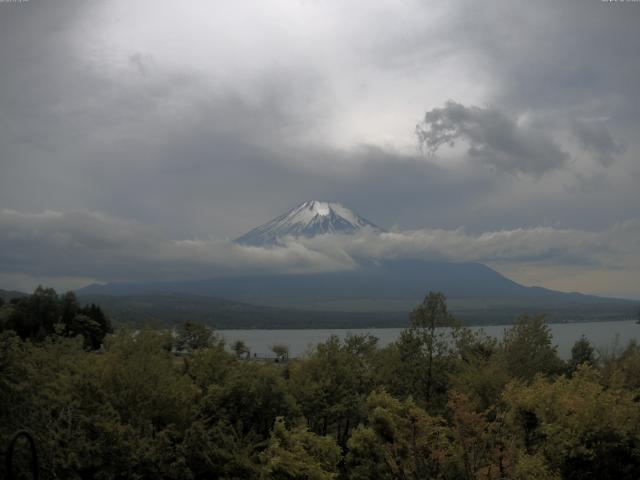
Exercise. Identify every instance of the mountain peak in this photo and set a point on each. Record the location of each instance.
(320, 208)
(308, 219)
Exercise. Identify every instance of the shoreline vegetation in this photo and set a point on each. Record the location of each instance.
(438, 403)
(168, 310)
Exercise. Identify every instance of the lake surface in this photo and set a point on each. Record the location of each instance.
(602, 335)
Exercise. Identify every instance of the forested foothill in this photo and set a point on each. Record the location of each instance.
(439, 403)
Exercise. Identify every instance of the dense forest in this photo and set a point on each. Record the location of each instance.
(439, 403)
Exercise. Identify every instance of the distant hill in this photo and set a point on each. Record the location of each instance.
(474, 291)
(175, 308)
(7, 295)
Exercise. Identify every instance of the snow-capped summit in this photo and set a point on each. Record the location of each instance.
(307, 220)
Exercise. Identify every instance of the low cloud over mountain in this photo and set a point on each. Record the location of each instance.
(76, 248)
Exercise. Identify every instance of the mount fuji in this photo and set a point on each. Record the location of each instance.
(307, 220)
(376, 291)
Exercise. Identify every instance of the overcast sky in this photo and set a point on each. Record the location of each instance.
(137, 138)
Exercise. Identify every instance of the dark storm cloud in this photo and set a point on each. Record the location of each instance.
(493, 138)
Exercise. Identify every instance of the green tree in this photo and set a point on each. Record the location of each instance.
(533, 467)
(69, 308)
(43, 314)
(88, 321)
(528, 349)
(479, 372)
(398, 440)
(281, 351)
(35, 316)
(142, 383)
(209, 366)
(240, 348)
(432, 331)
(96, 313)
(88, 328)
(580, 429)
(299, 454)
(219, 450)
(581, 352)
(43, 311)
(333, 383)
(620, 369)
(477, 446)
(250, 398)
(193, 336)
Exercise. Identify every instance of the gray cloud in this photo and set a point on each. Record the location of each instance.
(595, 137)
(91, 244)
(492, 137)
(573, 56)
(615, 247)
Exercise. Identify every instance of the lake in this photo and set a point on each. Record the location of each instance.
(602, 335)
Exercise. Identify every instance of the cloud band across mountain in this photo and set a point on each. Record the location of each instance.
(85, 245)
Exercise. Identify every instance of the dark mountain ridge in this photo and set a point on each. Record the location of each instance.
(390, 285)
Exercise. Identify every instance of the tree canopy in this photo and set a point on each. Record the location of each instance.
(44, 313)
(442, 402)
